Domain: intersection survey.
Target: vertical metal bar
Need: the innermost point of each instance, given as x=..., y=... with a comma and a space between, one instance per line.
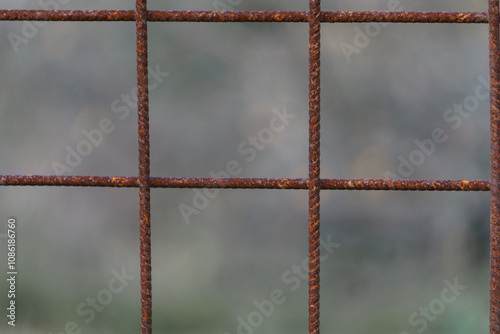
x=314, y=165
x=495, y=167
x=144, y=169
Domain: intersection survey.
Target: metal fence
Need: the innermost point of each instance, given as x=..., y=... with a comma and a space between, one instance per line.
x=314, y=184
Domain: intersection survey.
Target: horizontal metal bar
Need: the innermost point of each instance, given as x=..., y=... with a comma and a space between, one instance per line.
x=406, y=17
x=246, y=183
x=67, y=15
x=412, y=185
x=229, y=183
x=70, y=181
x=245, y=16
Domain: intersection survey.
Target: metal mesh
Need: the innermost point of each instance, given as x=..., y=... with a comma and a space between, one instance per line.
x=314, y=184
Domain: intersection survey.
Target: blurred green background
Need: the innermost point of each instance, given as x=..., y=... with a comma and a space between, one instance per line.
x=394, y=251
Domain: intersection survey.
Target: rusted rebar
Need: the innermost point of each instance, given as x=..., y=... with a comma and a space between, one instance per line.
x=314, y=182
x=245, y=16
x=245, y=183
x=144, y=164
x=494, y=38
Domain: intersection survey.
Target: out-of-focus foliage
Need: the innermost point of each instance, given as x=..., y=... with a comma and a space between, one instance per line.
x=383, y=97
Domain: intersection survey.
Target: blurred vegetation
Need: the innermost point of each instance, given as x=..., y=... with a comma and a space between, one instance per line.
x=224, y=80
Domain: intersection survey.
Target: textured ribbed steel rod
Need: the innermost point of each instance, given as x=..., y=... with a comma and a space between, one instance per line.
x=405, y=17
x=245, y=183
x=495, y=167
x=67, y=181
x=407, y=185
x=314, y=162
x=325, y=17
x=245, y=16
x=144, y=164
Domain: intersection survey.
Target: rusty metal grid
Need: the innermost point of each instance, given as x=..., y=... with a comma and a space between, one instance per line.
x=314, y=184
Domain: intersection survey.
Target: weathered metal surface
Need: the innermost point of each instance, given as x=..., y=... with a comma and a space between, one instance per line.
x=245, y=183
x=245, y=16
x=144, y=180
x=495, y=167
x=314, y=182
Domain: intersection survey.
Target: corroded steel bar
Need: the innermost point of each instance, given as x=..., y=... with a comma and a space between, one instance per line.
x=314, y=182
x=67, y=15
x=229, y=183
x=495, y=167
x=144, y=180
x=67, y=181
x=325, y=17
x=228, y=16
x=407, y=185
x=245, y=16
x=406, y=17
x=245, y=183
